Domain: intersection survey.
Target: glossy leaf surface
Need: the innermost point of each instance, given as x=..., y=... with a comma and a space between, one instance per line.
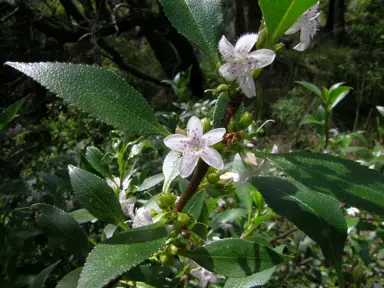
x=97, y=91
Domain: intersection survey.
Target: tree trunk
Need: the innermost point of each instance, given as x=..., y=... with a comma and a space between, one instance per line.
x=254, y=16
x=339, y=30
x=240, y=18
x=331, y=16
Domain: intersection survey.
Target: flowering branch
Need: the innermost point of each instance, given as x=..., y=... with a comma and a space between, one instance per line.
x=202, y=167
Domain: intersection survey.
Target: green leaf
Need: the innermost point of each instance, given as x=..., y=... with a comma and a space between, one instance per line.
x=151, y=182
x=195, y=204
x=310, y=119
x=40, y=279
x=245, y=192
x=82, y=216
x=61, y=227
x=120, y=253
x=316, y=214
x=95, y=157
x=219, y=110
x=198, y=21
x=280, y=15
x=254, y=280
x=234, y=257
x=342, y=179
x=96, y=196
x=70, y=280
x=381, y=110
x=338, y=94
x=201, y=228
x=170, y=168
x=311, y=87
x=97, y=91
x=10, y=113
x=230, y=215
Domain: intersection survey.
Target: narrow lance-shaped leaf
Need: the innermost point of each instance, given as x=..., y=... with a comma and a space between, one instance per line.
x=234, y=257
x=219, y=110
x=95, y=157
x=199, y=21
x=61, y=227
x=70, y=280
x=280, y=15
x=10, y=113
x=312, y=88
x=257, y=279
x=96, y=196
x=82, y=216
x=338, y=94
x=310, y=119
x=343, y=179
x=120, y=253
x=195, y=204
x=97, y=91
x=40, y=279
x=151, y=182
x=316, y=214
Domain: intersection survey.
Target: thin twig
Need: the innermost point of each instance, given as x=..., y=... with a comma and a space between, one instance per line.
x=283, y=235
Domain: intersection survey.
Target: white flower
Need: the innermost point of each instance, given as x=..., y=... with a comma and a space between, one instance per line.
x=352, y=211
x=241, y=62
x=195, y=146
x=307, y=23
x=204, y=276
x=127, y=205
x=143, y=216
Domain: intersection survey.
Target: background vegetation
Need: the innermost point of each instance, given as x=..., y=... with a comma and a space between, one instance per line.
x=135, y=39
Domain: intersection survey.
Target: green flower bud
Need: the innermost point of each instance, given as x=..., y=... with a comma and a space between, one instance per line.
x=222, y=88
x=167, y=201
x=263, y=34
x=165, y=258
x=183, y=218
x=153, y=212
x=232, y=126
x=256, y=73
x=213, y=178
x=173, y=249
x=279, y=47
x=206, y=124
x=245, y=120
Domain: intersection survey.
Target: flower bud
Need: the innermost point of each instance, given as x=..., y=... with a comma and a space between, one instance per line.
x=206, y=124
x=245, y=120
x=222, y=88
x=263, y=34
x=232, y=126
x=213, y=178
x=180, y=131
x=183, y=218
x=153, y=213
x=279, y=47
x=165, y=258
x=167, y=201
x=173, y=249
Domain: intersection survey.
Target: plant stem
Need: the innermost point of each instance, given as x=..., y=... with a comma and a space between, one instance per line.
x=283, y=235
x=326, y=127
x=202, y=167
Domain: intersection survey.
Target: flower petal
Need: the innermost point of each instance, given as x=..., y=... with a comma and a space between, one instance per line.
x=177, y=142
x=188, y=163
x=247, y=85
x=261, y=58
x=294, y=28
x=142, y=218
x=230, y=71
x=245, y=44
x=227, y=49
x=212, y=158
x=214, y=136
x=194, y=128
x=305, y=38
